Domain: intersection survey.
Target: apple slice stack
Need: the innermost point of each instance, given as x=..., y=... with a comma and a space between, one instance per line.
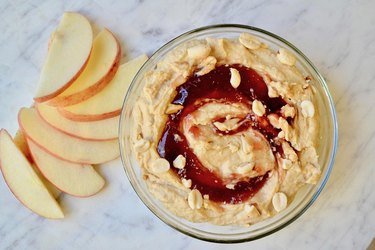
x=74, y=121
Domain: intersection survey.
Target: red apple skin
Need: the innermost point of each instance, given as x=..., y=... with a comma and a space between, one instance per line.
x=85, y=111
x=73, y=78
x=88, y=118
x=63, y=101
x=74, y=135
x=63, y=88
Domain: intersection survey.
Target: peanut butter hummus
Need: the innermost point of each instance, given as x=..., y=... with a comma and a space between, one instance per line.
x=225, y=131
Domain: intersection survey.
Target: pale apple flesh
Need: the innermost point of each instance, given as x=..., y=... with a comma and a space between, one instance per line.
x=108, y=102
x=24, y=182
x=99, y=71
x=67, y=56
x=51, y=187
x=75, y=179
x=62, y=145
x=106, y=129
x=20, y=141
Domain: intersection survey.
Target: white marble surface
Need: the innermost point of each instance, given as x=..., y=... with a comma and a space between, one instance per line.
x=338, y=36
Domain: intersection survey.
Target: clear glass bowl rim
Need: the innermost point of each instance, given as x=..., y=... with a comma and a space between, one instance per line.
x=321, y=81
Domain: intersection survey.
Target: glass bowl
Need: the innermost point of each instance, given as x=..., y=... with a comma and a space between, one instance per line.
x=326, y=147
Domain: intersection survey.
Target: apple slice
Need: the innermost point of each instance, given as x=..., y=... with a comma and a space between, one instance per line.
x=24, y=182
x=69, y=50
x=62, y=145
x=75, y=179
x=99, y=71
x=108, y=102
x=20, y=141
x=106, y=129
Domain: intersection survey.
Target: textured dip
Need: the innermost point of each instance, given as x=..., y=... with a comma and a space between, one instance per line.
x=225, y=131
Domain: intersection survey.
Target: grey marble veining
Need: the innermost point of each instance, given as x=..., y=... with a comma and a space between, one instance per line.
x=338, y=36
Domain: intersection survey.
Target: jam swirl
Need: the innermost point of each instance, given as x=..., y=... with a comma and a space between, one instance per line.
x=210, y=87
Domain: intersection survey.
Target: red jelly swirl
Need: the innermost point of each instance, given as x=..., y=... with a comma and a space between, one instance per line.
x=216, y=86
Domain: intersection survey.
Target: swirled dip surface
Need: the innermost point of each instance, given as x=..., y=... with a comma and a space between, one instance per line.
x=225, y=131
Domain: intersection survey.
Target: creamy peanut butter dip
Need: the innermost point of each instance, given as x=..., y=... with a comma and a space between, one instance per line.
x=225, y=131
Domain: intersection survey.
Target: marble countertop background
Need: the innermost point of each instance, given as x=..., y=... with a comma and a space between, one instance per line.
x=338, y=36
